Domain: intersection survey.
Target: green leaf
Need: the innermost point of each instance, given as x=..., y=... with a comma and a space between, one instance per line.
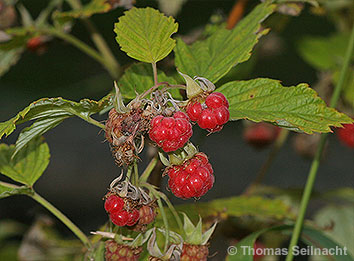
x=311, y=2
x=340, y=221
x=93, y=7
x=8, y=59
x=28, y=165
x=324, y=53
x=297, y=108
x=139, y=78
x=47, y=114
x=214, y=57
x=313, y=237
x=145, y=34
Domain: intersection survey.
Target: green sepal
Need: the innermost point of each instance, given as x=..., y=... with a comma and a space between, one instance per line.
x=118, y=102
x=194, y=234
x=193, y=88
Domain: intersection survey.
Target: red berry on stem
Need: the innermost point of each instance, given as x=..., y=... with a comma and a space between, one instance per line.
x=119, y=218
x=346, y=135
x=133, y=217
x=113, y=204
x=191, y=179
x=171, y=133
x=213, y=114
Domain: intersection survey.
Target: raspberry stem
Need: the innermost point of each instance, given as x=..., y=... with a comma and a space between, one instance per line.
x=144, y=177
x=316, y=161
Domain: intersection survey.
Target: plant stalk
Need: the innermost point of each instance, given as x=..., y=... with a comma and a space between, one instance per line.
x=99, y=42
x=316, y=161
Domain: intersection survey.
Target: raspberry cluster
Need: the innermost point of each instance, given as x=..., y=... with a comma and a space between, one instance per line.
x=122, y=215
x=191, y=179
x=212, y=114
x=171, y=133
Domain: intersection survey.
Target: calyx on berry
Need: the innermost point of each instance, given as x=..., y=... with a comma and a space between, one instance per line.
x=195, y=241
x=174, y=251
x=194, y=88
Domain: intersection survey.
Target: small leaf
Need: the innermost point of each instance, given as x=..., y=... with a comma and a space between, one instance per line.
x=145, y=34
x=297, y=108
x=28, y=165
x=139, y=78
x=8, y=59
x=192, y=87
x=214, y=57
x=93, y=7
x=47, y=114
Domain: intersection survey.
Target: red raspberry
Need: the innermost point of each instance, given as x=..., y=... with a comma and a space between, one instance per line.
x=260, y=134
x=119, y=218
x=171, y=133
x=191, y=179
x=146, y=215
x=113, y=204
x=212, y=114
x=346, y=135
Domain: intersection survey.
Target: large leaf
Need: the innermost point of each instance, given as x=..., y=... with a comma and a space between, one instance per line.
x=214, y=57
x=324, y=53
x=297, y=108
x=48, y=113
x=93, y=7
x=139, y=78
x=28, y=165
x=8, y=59
x=145, y=34
x=313, y=237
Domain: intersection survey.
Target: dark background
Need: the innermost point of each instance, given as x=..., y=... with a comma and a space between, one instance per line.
x=81, y=166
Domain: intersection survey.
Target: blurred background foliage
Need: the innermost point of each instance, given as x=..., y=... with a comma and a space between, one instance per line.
x=307, y=47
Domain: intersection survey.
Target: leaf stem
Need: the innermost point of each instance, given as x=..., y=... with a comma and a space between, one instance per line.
x=136, y=173
x=165, y=221
x=93, y=122
x=315, y=163
x=154, y=69
x=56, y=212
x=144, y=177
x=173, y=210
x=80, y=45
x=99, y=42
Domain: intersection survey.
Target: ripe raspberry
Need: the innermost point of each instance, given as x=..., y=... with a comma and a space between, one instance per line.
x=119, y=218
x=260, y=134
x=194, y=252
x=346, y=135
x=113, y=204
x=191, y=179
x=212, y=114
x=117, y=252
x=133, y=217
x=171, y=133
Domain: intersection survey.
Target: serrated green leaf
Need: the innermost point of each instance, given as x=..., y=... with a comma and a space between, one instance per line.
x=93, y=7
x=297, y=108
x=214, y=57
x=47, y=114
x=313, y=237
x=324, y=53
x=139, y=78
x=145, y=34
x=8, y=59
x=28, y=165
